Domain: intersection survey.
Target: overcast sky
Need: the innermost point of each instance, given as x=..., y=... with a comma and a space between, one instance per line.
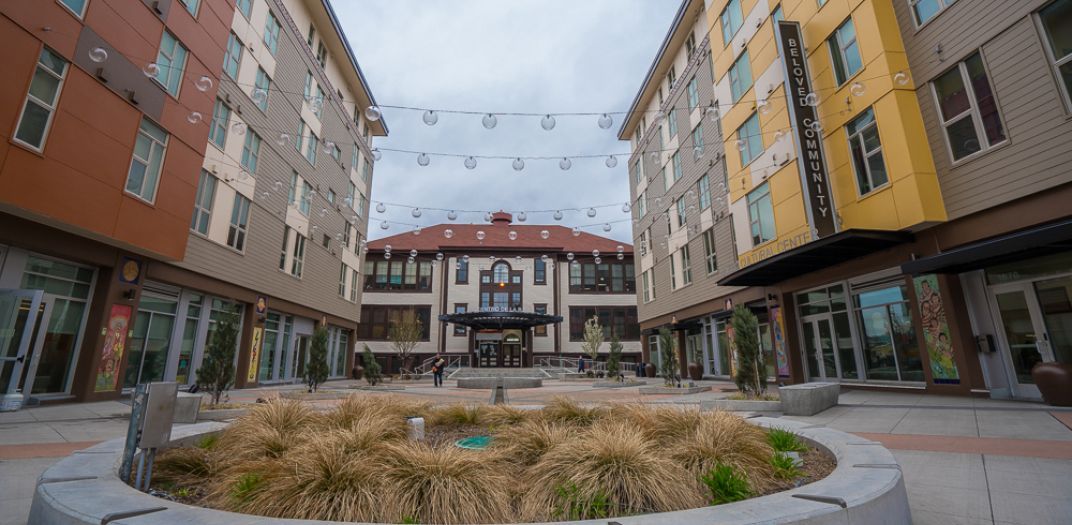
x=503, y=56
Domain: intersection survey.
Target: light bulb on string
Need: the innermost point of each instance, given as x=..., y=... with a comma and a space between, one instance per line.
x=480, y=235
x=470, y=162
x=283, y=139
x=611, y=161
x=606, y=227
x=413, y=253
x=384, y=225
x=518, y=164
x=452, y=215
x=576, y=231
x=381, y=207
x=387, y=255
x=547, y=122
x=740, y=144
x=338, y=236
x=151, y=70
x=98, y=54
x=194, y=117
x=712, y=113
x=416, y=230
x=259, y=95
x=778, y=135
x=764, y=106
x=621, y=256
x=329, y=147
x=901, y=78
x=565, y=164
x=697, y=153
x=448, y=233
x=605, y=121
x=812, y=99
x=373, y=113
x=544, y=234
x=465, y=258
x=243, y=175
x=416, y=212
x=430, y=117
x=595, y=253
x=522, y=216
x=620, y=249
x=265, y=195
x=376, y=154
x=816, y=125
x=655, y=157
x=569, y=256
x=238, y=128
x=487, y=216
x=410, y=260
x=439, y=256
x=591, y=212
x=203, y=84
x=512, y=235
x=857, y=89
x=597, y=260
x=558, y=215
x=423, y=159
x=278, y=185
x=489, y=121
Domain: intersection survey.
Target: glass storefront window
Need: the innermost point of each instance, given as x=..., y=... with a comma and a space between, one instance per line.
x=148, y=348
x=723, y=345
x=189, y=338
x=268, y=348
x=891, y=348
x=67, y=287
x=1055, y=299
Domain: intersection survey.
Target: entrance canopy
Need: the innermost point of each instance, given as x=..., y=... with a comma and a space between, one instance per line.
x=500, y=320
x=1016, y=246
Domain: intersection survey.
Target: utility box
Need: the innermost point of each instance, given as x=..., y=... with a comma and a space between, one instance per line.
x=159, y=414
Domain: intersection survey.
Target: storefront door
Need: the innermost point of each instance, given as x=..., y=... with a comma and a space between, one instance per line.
x=18, y=332
x=489, y=354
x=1036, y=326
x=820, y=347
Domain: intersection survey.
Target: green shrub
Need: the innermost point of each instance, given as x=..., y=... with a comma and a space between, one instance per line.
x=726, y=485
x=208, y=442
x=784, y=466
x=575, y=506
x=372, y=368
x=782, y=440
x=316, y=370
x=246, y=485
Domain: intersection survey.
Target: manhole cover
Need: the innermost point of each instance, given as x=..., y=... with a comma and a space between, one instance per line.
x=473, y=443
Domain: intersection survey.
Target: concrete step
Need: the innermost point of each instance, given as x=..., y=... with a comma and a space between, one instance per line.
x=534, y=373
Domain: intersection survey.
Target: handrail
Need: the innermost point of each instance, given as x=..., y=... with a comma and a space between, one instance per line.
x=573, y=362
x=425, y=367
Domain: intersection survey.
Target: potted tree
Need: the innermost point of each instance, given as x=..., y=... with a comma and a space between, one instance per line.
x=316, y=372
x=372, y=368
x=593, y=339
x=751, y=379
x=614, y=358
x=404, y=336
x=216, y=374
x=668, y=349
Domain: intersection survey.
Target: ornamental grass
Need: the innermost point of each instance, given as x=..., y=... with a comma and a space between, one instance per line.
x=356, y=462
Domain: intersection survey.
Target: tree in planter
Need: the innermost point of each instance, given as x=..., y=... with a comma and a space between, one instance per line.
x=614, y=357
x=316, y=372
x=750, y=378
x=372, y=368
x=668, y=350
x=217, y=373
x=593, y=338
x=404, y=336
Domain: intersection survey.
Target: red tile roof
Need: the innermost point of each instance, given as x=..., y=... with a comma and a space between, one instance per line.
x=496, y=238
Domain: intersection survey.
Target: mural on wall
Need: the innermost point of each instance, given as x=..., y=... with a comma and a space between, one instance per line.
x=254, y=354
x=936, y=330
x=778, y=335
x=115, y=340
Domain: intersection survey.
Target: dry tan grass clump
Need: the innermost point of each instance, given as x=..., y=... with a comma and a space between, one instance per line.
x=457, y=415
x=660, y=424
x=269, y=430
x=187, y=466
x=357, y=406
x=445, y=485
x=506, y=415
x=723, y=438
x=565, y=410
x=526, y=443
x=613, y=462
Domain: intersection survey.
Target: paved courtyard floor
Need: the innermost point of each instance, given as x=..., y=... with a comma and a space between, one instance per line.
x=965, y=460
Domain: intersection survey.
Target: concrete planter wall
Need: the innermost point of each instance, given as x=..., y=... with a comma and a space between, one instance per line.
x=743, y=405
x=673, y=391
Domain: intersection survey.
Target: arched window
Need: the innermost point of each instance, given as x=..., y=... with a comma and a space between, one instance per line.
x=500, y=273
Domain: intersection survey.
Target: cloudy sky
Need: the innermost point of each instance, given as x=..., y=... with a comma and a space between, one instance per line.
x=503, y=56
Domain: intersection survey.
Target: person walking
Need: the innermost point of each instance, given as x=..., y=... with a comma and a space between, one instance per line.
x=580, y=365
x=437, y=370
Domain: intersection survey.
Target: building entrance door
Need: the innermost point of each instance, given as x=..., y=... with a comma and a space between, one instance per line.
x=489, y=354
x=511, y=349
x=820, y=347
x=1036, y=326
x=20, y=320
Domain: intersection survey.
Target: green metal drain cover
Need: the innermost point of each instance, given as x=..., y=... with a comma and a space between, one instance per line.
x=474, y=442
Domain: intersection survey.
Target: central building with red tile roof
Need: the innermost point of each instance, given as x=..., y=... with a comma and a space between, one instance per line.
x=498, y=294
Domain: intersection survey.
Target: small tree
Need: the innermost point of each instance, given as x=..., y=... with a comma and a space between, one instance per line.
x=217, y=373
x=316, y=372
x=372, y=368
x=593, y=337
x=614, y=357
x=668, y=349
x=404, y=336
x=750, y=378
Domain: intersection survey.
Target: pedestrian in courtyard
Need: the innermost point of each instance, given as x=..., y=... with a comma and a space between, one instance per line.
x=437, y=370
x=580, y=365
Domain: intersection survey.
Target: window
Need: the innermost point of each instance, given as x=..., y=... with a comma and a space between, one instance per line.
x=686, y=266
x=78, y=7
x=618, y=321
x=236, y=234
x=697, y=141
x=221, y=118
x=967, y=109
x=822, y=3
x=924, y=10
x=681, y=212
x=671, y=124
x=749, y=140
x=293, y=193
x=191, y=6
x=605, y=277
x=331, y=196
x=308, y=90
x=539, y=272
x=284, y=249
x=299, y=139
x=233, y=56
x=298, y=259
x=321, y=53
x=694, y=93
x=171, y=59
x=671, y=78
x=646, y=282
x=336, y=153
x=845, y=52
x=366, y=168
x=312, y=36
x=355, y=158
x=1056, y=21
x=262, y=85
x=667, y=181
x=461, y=272
x=540, y=331
x=310, y=148
x=866, y=151
x=761, y=214
x=271, y=32
x=147, y=161
x=731, y=19
x=676, y=159
x=673, y=273
x=306, y=198
x=318, y=102
x=206, y=194
x=460, y=308
x=346, y=235
x=360, y=209
x=703, y=189
x=891, y=348
x=500, y=273
x=376, y=320
x=642, y=205
x=643, y=243
x=351, y=195
x=245, y=7
x=777, y=15
x=343, y=274
x=41, y=99
x=690, y=44
x=251, y=150
x=740, y=76
x=353, y=285
x=710, y=258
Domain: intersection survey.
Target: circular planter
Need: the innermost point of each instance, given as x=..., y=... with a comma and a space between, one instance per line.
x=865, y=487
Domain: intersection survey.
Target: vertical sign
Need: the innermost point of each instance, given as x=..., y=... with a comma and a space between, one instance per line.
x=778, y=337
x=936, y=330
x=115, y=340
x=814, y=178
x=254, y=354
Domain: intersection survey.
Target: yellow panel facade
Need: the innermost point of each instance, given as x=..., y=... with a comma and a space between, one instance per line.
x=909, y=198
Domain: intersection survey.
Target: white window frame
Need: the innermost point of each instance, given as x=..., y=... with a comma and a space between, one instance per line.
x=693, y=90
x=233, y=53
x=51, y=107
x=154, y=146
x=972, y=112
x=686, y=266
x=262, y=82
x=271, y=33
x=203, y=203
x=354, y=282
x=858, y=137
x=728, y=22
x=697, y=141
x=299, y=139
x=310, y=148
x=307, y=190
x=645, y=284
x=1055, y=62
x=675, y=163
x=220, y=112
x=744, y=133
x=738, y=85
x=643, y=243
x=671, y=124
x=251, y=150
x=682, y=212
x=71, y=9
x=756, y=218
x=238, y=228
x=248, y=11
x=841, y=47
x=297, y=259
x=942, y=6
x=170, y=76
x=710, y=251
x=192, y=6
x=703, y=187
x=673, y=273
x=642, y=205
x=343, y=275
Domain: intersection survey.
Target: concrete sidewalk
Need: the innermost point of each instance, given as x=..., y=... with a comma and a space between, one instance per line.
x=965, y=460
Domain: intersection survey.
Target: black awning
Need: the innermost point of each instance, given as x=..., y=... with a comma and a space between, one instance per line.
x=815, y=255
x=1025, y=244
x=500, y=320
